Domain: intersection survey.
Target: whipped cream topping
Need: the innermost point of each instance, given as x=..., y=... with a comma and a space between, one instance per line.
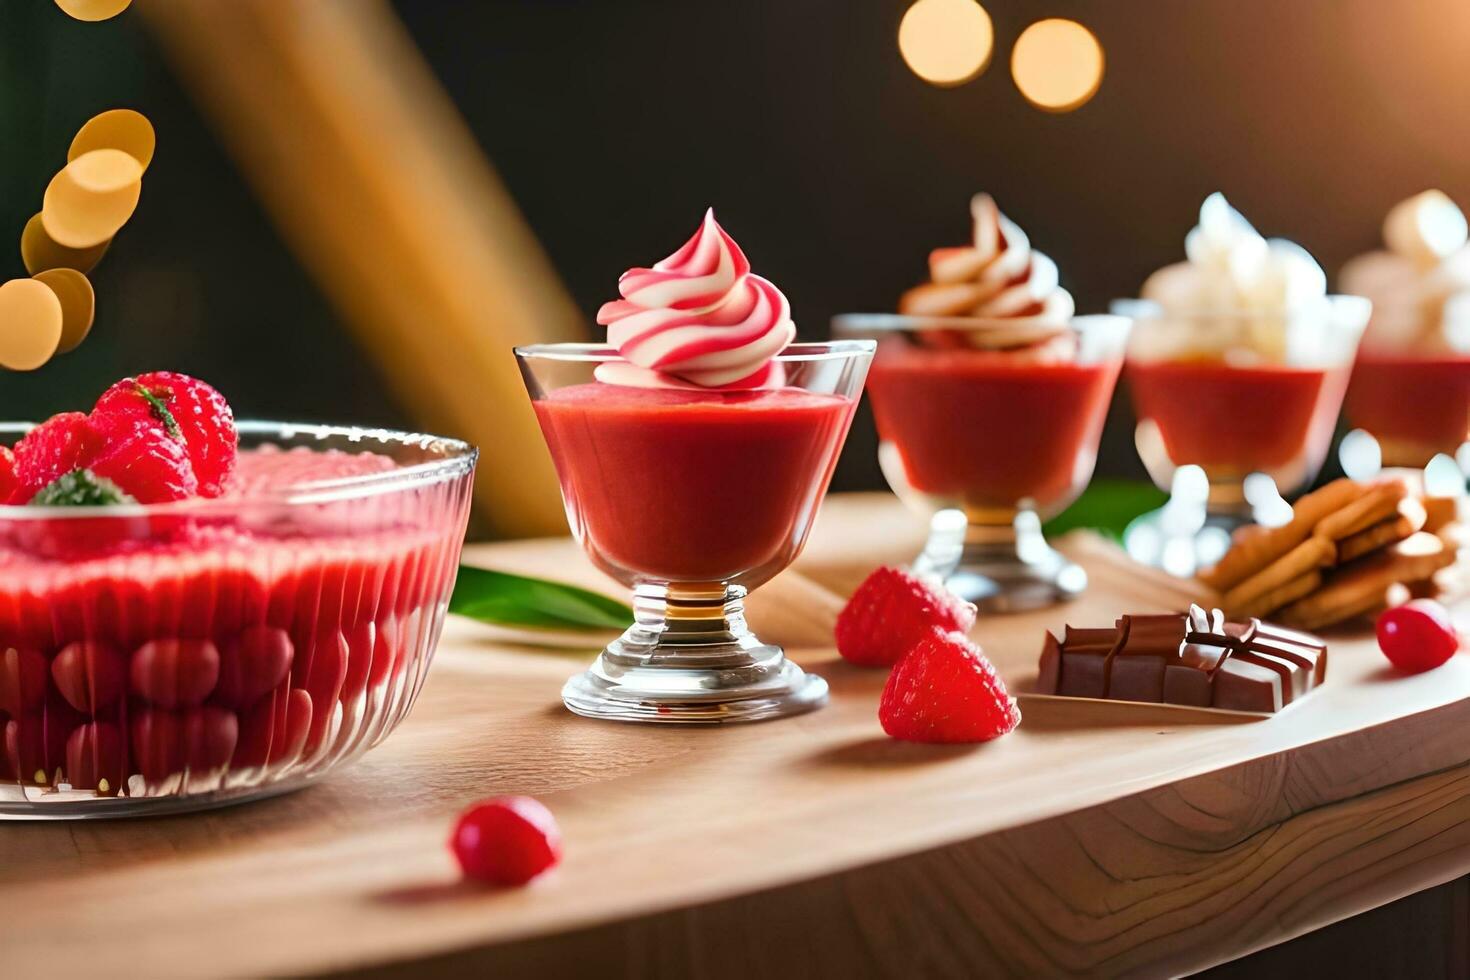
x=697, y=319
x=1231, y=268
x=1242, y=296
x=1420, y=284
x=999, y=275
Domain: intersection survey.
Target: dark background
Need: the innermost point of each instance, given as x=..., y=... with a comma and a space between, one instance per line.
x=615, y=123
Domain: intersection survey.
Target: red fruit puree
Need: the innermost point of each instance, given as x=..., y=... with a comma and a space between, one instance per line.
x=228, y=648
x=1238, y=419
x=991, y=428
x=1417, y=406
x=693, y=486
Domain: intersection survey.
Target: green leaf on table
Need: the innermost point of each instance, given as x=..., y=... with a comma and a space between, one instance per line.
x=518, y=600
x=1108, y=506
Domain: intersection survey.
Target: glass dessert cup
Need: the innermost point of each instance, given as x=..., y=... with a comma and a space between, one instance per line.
x=171, y=657
x=692, y=498
x=1416, y=406
x=1235, y=412
x=990, y=442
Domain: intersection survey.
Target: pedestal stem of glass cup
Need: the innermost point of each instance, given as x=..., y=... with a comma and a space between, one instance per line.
x=693, y=624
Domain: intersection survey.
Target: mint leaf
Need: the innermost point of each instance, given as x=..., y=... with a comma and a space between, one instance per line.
x=80, y=488
x=517, y=600
x=161, y=412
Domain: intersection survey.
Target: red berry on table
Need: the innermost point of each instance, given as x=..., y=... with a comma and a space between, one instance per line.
x=891, y=611
x=506, y=841
x=9, y=481
x=51, y=450
x=945, y=690
x=186, y=409
x=1417, y=636
x=144, y=462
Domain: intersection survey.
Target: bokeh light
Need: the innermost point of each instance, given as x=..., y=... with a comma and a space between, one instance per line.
x=946, y=42
x=93, y=10
x=1057, y=64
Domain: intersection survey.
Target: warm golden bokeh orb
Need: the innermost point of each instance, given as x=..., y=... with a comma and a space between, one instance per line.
x=946, y=42
x=40, y=253
x=1057, y=64
x=78, y=305
x=93, y=10
x=91, y=198
x=30, y=324
x=116, y=129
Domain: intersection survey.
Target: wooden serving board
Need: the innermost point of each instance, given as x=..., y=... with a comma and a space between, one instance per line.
x=1141, y=841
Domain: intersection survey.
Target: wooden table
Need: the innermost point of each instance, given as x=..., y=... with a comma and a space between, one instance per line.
x=1135, y=841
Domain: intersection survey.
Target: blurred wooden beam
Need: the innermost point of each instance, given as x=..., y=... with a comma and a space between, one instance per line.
x=377, y=185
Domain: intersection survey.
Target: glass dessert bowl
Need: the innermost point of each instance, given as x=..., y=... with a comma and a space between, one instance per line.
x=1410, y=387
x=990, y=398
x=692, y=498
x=177, y=656
x=1237, y=366
x=990, y=442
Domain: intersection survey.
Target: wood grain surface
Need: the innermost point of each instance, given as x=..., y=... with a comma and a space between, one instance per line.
x=1112, y=840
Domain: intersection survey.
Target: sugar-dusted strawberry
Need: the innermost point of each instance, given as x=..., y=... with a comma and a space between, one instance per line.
x=891, y=611
x=51, y=450
x=188, y=410
x=944, y=690
x=9, y=481
x=145, y=462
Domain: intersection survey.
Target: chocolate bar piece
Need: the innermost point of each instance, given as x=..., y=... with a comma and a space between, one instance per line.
x=1194, y=658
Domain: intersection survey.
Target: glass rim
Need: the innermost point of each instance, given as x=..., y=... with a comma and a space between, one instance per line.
x=457, y=459
x=903, y=322
x=1147, y=310
x=827, y=350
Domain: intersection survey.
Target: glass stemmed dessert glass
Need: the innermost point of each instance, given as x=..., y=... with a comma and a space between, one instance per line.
x=990, y=398
x=692, y=498
x=1237, y=366
x=1410, y=387
x=693, y=450
x=991, y=442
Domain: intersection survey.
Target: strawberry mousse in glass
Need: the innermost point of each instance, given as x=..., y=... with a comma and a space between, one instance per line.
x=693, y=450
x=1410, y=386
x=990, y=397
x=194, y=613
x=1237, y=366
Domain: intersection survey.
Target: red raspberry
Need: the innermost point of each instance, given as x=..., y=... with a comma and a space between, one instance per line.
x=891, y=611
x=9, y=481
x=188, y=410
x=944, y=690
x=51, y=450
x=506, y=841
x=1417, y=636
x=143, y=461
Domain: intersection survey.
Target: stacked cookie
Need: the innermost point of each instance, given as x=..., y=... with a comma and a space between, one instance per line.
x=1343, y=554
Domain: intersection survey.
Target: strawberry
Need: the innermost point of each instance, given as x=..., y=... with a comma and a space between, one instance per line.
x=944, y=690
x=891, y=611
x=143, y=461
x=9, y=481
x=187, y=410
x=51, y=450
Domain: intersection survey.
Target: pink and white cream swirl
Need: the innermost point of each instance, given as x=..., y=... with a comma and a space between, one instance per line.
x=699, y=318
x=999, y=275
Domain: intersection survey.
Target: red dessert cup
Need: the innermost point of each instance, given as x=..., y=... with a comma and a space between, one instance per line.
x=691, y=498
x=1236, y=400
x=169, y=657
x=1416, y=406
x=991, y=442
